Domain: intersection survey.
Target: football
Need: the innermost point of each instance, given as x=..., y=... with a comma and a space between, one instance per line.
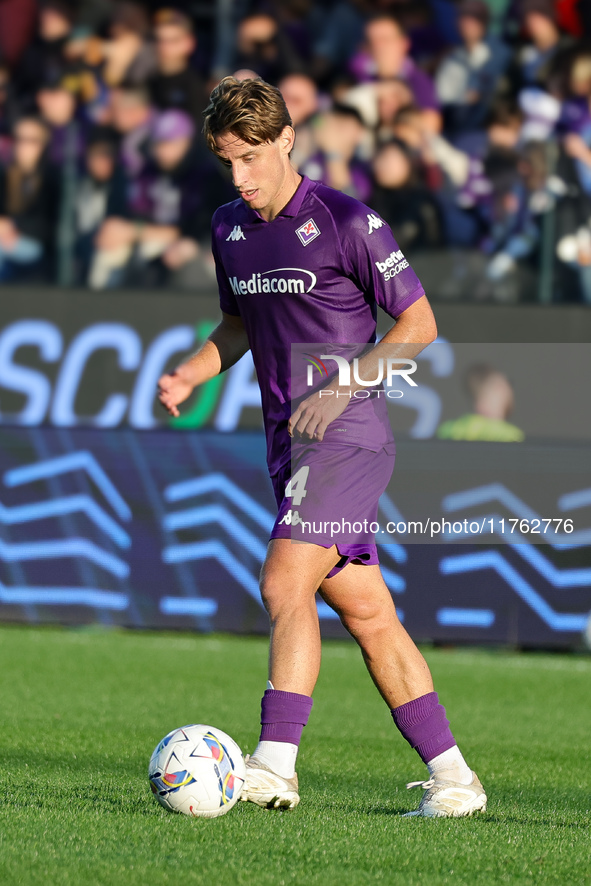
x=197, y=770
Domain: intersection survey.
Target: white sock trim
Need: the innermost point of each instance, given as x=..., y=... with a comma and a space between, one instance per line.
x=280, y=756
x=451, y=761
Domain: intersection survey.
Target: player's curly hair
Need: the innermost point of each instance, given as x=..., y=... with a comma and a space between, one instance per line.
x=251, y=109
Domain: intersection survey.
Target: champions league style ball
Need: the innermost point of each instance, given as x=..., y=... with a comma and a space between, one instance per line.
x=197, y=770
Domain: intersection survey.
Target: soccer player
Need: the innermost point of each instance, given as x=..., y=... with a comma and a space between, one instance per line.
x=285, y=229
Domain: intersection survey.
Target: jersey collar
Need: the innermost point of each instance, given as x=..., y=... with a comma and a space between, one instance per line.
x=291, y=209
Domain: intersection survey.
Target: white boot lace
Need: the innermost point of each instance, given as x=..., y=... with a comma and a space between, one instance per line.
x=421, y=784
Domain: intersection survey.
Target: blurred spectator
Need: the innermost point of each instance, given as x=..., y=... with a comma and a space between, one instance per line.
x=132, y=116
x=515, y=223
x=8, y=112
x=57, y=106
x=261, y=47
x=409, y=127
x=379, y=103
x=504, y=125
x=171, y=213
x=101, y=193
x=430, y=27
x=540, y=27
x=577, y=119
x=338, y=36
x=493, y=402
x=574, y=249
x=385, y=54
x=28, y=200
x=573, y=217
x=45, y=60
x=126, y=55
x=357, y=79
x=392, y=96
x=468, y=77
x=541, y=112
x=471, y=182
x=387, y=75
x=445, y=171
x=576, y=107
x=298, y=22
x=302, y=100
x=338, y=135
x=430, y=24
x=403, y=201
x=176, y=84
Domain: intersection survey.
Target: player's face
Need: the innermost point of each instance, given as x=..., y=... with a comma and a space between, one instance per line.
x=262, y=174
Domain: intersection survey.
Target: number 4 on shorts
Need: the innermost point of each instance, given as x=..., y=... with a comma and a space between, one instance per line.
x=296, y=488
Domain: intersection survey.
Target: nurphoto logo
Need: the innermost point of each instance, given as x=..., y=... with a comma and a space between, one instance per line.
x=388, y=369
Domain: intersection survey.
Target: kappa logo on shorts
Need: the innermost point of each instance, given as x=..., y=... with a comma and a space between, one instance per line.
x=291, y=518
x=308, y=232
x=236, y=234
x=374, y=222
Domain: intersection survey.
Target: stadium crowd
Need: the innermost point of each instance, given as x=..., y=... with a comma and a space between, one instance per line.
x=466, y=124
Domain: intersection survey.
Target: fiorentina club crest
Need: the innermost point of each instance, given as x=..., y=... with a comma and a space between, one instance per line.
x=308, y=232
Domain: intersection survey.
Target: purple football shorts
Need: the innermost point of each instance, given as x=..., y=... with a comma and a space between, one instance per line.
x=328, y=495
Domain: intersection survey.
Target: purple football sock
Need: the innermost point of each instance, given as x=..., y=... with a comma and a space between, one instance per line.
x=284, y=715
x=424, y=725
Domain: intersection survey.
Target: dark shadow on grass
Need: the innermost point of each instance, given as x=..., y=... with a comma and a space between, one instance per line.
x=383, y=810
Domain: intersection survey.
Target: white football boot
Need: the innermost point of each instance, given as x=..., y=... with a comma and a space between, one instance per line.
x=447, y=798
x=265, y=788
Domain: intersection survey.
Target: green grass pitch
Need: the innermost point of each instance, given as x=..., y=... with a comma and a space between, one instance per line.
x=82, y=710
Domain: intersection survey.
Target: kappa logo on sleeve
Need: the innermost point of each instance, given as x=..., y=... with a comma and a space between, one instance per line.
x=236, y=234
x=308, y=232
x=374, y=222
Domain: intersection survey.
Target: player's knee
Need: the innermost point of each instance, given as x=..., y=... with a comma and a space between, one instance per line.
x=279, y=597
x=271, y=595
x=363, y=617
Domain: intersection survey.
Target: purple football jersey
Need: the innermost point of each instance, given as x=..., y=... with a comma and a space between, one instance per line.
x=316, y=273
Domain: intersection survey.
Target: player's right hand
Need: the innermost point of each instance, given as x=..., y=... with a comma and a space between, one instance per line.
x=172, y=390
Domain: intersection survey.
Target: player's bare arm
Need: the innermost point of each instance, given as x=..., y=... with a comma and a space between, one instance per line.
x=414, y=329
x=224, y=347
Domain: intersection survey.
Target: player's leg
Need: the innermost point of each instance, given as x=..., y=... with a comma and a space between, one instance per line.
x=363, y=602
x=290, y=577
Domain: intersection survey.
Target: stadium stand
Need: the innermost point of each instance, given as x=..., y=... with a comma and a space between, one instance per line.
x=465, y=123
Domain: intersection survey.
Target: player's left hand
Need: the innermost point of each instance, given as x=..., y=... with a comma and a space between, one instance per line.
x=315, y=413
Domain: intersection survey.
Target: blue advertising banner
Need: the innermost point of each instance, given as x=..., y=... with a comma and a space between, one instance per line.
x=167, y=529
x=84, y=359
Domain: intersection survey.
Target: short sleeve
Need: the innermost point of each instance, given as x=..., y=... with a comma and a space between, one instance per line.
x=378, y=265
x=228, y=302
